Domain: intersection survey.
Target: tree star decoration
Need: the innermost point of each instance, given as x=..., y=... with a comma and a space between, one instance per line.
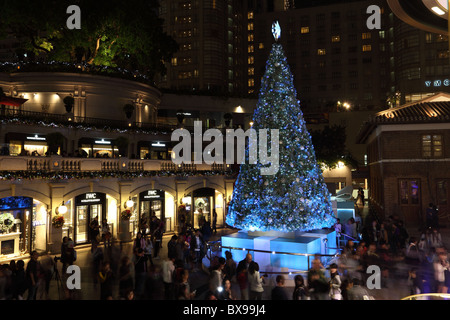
x=276, y=30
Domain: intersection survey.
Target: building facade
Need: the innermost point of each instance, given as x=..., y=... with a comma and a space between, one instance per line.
x=409, y=159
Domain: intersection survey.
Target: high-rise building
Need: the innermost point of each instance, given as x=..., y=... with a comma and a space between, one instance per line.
x=337, y=59
x=206, y=31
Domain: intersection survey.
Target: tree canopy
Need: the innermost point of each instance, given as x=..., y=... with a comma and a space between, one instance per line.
x=330, y=146
x=126, y=34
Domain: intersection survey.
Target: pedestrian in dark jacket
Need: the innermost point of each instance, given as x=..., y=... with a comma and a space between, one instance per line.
x=279, y=292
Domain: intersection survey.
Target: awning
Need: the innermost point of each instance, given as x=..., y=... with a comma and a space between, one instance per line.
x=10, y=101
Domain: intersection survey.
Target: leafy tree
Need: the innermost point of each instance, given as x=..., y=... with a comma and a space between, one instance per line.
x=126, y=34
x=329, y=145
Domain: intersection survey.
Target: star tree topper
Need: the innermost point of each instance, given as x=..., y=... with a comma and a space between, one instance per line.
x=276, y=30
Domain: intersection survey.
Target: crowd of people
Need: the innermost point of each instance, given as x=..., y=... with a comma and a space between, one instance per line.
x=140, y=272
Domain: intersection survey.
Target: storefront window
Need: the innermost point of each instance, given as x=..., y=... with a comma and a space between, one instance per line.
x=144, y=153
x=202, y=209
x=134, y=219
x=15, y=148
x=99, y=148
x=34, y=148
x=152, y=204
x=88, y=206
x=22, y=225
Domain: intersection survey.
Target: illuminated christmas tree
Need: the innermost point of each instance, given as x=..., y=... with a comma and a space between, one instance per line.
x=296, y=197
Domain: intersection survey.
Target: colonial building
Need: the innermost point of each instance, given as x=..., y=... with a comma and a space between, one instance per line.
x=409, y=159
x=92, y=159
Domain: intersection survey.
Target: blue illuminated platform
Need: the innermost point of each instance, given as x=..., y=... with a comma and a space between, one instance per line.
x=279, y=250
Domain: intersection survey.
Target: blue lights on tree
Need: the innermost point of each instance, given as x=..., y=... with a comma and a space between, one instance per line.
x=296, y=197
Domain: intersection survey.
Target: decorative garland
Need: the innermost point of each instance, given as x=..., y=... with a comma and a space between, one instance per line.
x=79, y=126
x=78, y=175
x=6, y=222
x=55, y=66
x=58, y=221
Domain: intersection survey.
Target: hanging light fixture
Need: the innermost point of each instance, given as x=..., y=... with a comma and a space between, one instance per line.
x=62, y=209
x=129, y=203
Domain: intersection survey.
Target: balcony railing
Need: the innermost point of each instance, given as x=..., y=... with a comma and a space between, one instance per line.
x=39, y=117
x=58, y=163
x=35, y=117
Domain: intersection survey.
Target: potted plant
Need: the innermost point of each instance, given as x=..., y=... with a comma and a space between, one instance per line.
x=227, y=117
x=55, y=140
x=122, y=144
x=126, y=215
x=69, y=101
x=128, y=109
x=58, y=221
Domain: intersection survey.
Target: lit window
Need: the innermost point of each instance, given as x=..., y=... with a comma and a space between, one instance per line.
x=251, y=37
x=261, y=45
x=335, y=38
x=321, y=52
x=251, y=60
x=366, y=35
x=251, y=48
x=304, y=30
x=432, y=146
x=250, y=15
x=251, y=82
x=174, y=61
x=250, y=26
x=251, y=71
x=366, y=48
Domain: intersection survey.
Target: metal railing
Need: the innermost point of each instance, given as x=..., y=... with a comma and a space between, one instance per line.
x=217, y=245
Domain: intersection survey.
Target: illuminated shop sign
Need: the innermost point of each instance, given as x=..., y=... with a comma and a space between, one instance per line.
x=151, y=195
x=438, y=83
x=158, y=144
x=103, y=141
x=90, y=198
x=36, y=137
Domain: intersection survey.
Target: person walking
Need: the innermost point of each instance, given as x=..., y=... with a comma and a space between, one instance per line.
x=335, y=283
x=214, y=221
x=300, y=289
x=227, y=293
x=242, y=274
x=140, y=272
x=216, y=277
x=230, y=266
x=279, y=292
x=125, y=277
x=255, y=281
x=429, y=215
x=94, y=230
x=106, y=233
x=157, y=236
x=106, y=279
x=33, y=272
x=168, y=268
